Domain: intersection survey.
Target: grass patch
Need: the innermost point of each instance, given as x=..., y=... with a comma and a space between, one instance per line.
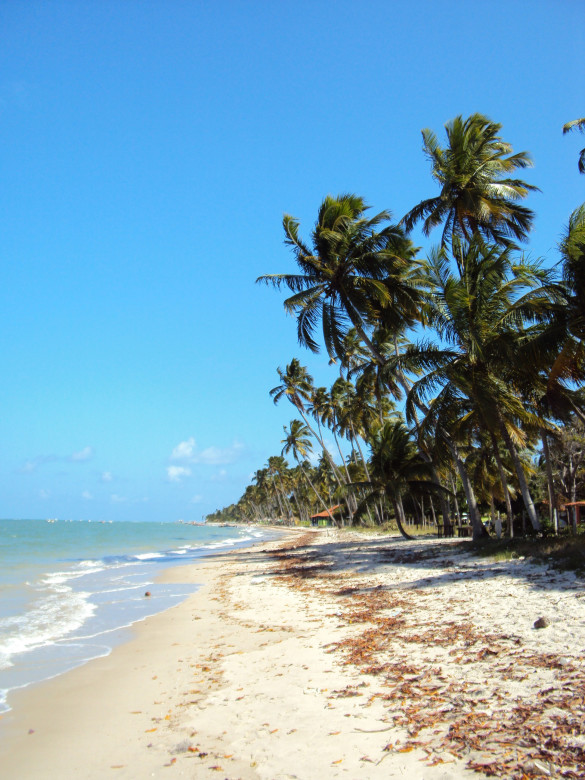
x=390, y=529
x=566, y=553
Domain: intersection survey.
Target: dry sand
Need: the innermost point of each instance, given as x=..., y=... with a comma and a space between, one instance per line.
x=326, y=655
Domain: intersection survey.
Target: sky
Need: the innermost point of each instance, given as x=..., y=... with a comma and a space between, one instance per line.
x=148, y=151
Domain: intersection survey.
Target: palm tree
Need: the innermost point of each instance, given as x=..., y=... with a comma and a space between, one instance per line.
x=355, y=273
x=297, y=386
x=578, y=124
x=266, y=492
x=480, y=316
x=398, y=470
x=297, y=442
x=476, y=195
x=277, y=467
x=559, y=348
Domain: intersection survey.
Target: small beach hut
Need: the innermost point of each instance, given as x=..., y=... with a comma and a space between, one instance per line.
x=324, y=518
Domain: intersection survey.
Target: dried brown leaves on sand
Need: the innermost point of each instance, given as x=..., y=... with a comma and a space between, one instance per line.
x=452, y=688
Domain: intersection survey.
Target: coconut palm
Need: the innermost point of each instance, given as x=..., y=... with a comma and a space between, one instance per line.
x=266, y=492
x=298, y=443
x=397, y=470
x=572, y=248
x=479, y=314
x=277, y=467
x=325, y=409
x=559, y=348
x=355, y=273
x=297, y=386
x=577, y=124
x=476, y=195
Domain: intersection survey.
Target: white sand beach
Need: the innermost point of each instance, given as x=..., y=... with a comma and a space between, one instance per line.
x=327, y=655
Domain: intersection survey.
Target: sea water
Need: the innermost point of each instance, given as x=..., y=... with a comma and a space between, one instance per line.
x=70, y=590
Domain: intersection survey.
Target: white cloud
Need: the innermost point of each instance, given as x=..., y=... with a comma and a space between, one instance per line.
x=85, y=454
x=314, y=457
x=210, y=456
x=176, y=473
x=219, y=476
x=32, y=465
x=197, y=499
x=184, y=450
x=87, y=495
x=117, y=499
x=107, y=476
x=216, y=456
x=44, y=493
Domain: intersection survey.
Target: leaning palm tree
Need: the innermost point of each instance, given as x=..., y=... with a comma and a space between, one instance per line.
x=476, y=193
x=298, y=443
x=297, y=385
x=277, y=467
x=577, y=124
x=355, y=273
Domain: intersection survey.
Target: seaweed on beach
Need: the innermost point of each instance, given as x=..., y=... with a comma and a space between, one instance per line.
x=536, y=732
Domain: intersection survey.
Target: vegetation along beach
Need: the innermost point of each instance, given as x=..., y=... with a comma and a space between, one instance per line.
x=292, y=419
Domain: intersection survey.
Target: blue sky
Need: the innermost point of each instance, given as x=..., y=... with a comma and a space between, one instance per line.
x=148, y=152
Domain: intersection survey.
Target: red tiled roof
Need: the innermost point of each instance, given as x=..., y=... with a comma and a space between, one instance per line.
x=328, y=513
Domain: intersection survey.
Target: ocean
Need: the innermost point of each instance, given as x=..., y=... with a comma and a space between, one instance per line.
x=69, y=591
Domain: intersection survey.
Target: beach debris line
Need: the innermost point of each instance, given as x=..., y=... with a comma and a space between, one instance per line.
x=466, y=693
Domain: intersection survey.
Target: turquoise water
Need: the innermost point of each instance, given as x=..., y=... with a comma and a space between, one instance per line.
x=69, y=590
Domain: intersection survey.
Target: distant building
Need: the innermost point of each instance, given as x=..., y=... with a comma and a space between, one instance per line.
x=324, y=518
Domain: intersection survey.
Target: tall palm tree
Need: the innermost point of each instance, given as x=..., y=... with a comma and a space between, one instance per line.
x=355, y=273
x=277, y=467
x=559, y=349
x=297, y=442
x=478, y=314
x=476, y=195
x=577, y=124
x=297, y=385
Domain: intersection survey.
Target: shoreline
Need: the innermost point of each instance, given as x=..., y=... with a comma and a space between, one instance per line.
x=387, y=659
x=82, y=607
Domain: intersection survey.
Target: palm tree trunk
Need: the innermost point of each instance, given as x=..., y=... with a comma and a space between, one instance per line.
x=378, y=357
x=399, y=512
x=528, y=503
x=433, y=510
x=351, y=502
x=276, y=490
x=322, y=445
x=492, y=509
x=504, y=483
x=365, y=465
x=284, y=496
x=457, y=512
x=476, y=524
x=552, y=499
x=442, y=497
x=306, y=476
